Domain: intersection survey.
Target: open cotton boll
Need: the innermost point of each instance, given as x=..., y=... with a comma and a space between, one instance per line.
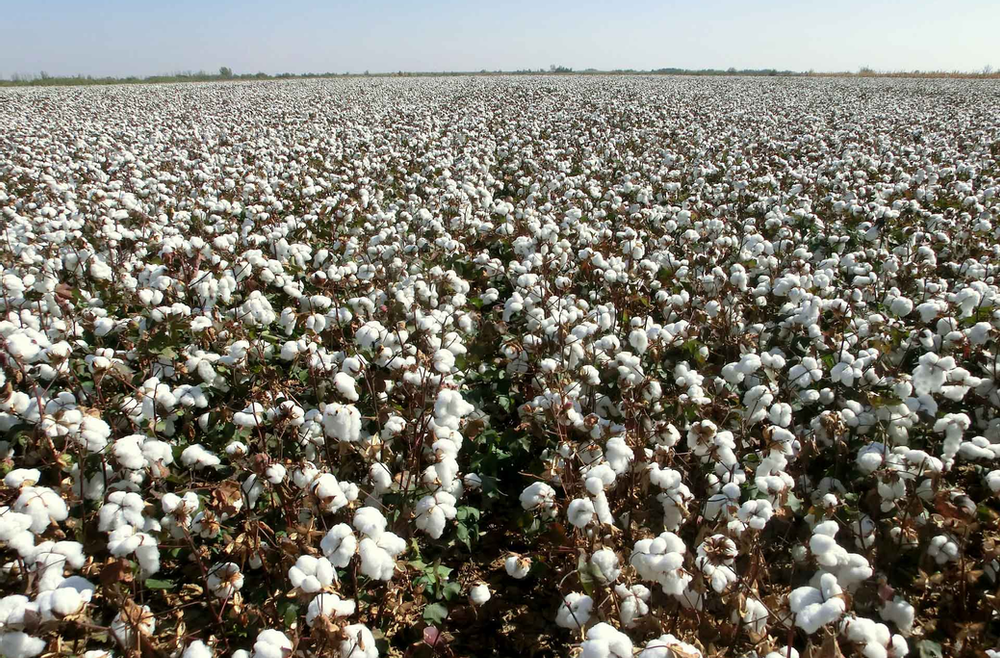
x=311, y=574
x=816, y=607
x=22, y=476
x=539, y=496
x=517, y=567
x=633, y=604
x=252, y=416
x=342, y=422
x=668, y=646
x=198, y=649
x=329, y=493
x=225, y=580
x=580, y=512
x=479, y=594
x=433, y=512
x=574, y=611
x=43, y=505
x=358, y=643
x=346, y=386
x=329, y=606
x=339, y=545
x=17, y=644
x=130, y=621
x=604, y=565
x=272, y=644
x=605, y=641
x=661, y=560
x=196, y=456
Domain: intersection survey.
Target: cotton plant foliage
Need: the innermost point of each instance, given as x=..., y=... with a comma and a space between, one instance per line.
x=597, y=366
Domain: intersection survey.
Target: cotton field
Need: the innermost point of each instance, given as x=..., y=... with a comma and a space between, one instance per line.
x=554, y=366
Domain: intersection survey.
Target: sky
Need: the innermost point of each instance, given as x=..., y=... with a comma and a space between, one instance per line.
x=139, y=37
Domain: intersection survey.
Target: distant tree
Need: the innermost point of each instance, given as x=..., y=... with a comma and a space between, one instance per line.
x=225, y=72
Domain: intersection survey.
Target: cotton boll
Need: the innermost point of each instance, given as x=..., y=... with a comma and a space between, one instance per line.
x=574, y=611
x=329, y=493
x=197, y=649
x=580, y=512
x=517, y=567
x=605, y=641
x=434, y=511
x=272, y=644
x=339, y=545
x=817, y=607
x=668, y=646
x=329, y=606
x=604, y=565
x=346, y=386
x=311, y=574
x=125, y=626
x=539, y=496
x=43, y=505
x=17, y=644
x=899, y=612
x=634, y=603
x=359, y=643
x=342, y=422
x=225, y=580
x=479, y=594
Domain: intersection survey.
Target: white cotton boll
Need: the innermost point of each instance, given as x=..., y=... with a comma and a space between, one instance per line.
x=433, y=512
x=472, y=481
x=276, y=473
x=342, y=422
x=17, y=644
x=272, y=644
x=43, y=505
x=661, y=560
x=539, y=496
x=225, y=580
x=633, y=604
x=329, y=493
x=346, y=386
x=580, y=512
x=517, y=566
x=196, y=456
x=237, y=449
x=753, y=615
x=574, y=611
x=479, y=594
x=251, y=416
x=197, y=649
x=359, y=642
x=375, y=562
x=993, y=480
x=22, y=476
x=329, y=606
x=590, y=375
x=124, y=628
x=370, y=522
x=311, y=574
x=605, y=641
x=899, y=612
x=815, y=608
x=901, y=307
x=668, y=646
x=604, y=565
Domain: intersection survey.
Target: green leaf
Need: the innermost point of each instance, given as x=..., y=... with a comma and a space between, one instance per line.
x=586, y=577
x=153, y=583
x=435, y=613
x=928, y=649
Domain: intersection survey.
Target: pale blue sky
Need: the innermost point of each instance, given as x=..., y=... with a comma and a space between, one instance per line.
x=136, y=37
